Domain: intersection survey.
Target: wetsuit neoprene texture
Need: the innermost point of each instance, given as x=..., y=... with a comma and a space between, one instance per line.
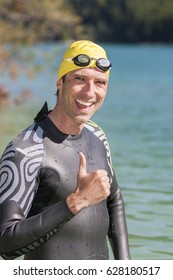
x=38, y=170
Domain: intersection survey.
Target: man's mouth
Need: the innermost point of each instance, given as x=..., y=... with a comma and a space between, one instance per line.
x=84, y=104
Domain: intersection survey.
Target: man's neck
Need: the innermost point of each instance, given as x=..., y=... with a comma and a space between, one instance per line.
x=66, y=127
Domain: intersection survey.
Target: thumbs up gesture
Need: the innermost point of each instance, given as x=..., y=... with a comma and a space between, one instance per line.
x=91, y=189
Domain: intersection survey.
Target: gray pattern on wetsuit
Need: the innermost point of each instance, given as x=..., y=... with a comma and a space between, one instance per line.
x=21, y=175
x=97, y=131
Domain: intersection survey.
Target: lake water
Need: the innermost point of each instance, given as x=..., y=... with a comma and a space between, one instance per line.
x=137, y=117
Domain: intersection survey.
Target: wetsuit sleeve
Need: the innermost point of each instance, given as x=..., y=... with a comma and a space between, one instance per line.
x=19, y=235
x=19, y=181
x=118, y=235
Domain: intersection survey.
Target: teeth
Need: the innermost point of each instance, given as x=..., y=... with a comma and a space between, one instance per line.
x=84, y=103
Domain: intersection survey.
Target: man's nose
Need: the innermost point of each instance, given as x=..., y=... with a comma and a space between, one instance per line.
x=89, y=89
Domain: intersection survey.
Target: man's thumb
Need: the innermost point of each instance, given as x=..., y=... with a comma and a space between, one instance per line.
x=82, y=165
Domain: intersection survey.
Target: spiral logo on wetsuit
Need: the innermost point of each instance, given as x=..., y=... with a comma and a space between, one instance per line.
x=18, y=173
x=8, y=171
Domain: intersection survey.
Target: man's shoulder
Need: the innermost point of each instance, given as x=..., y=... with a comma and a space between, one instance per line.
x=28, y=144
x=32, y=136
x=95, y=129
x=101, y=138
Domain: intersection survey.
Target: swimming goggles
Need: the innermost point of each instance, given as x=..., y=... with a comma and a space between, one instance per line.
x=84, y=60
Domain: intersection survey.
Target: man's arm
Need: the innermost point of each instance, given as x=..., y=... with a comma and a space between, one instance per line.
x=118, y=234
x=18, y=184
x=18, y=234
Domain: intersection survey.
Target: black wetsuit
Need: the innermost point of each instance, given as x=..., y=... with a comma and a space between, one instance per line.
x=38, y=170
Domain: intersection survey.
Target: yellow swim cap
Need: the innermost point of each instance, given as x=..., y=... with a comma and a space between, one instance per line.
x=80, y=47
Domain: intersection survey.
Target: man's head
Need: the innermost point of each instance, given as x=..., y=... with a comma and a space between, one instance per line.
x=84, y=54
x=82, y=85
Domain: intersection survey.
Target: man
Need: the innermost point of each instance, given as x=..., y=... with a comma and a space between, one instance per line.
x=59, y=198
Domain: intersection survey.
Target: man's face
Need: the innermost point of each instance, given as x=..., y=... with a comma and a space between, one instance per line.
x=82, y=94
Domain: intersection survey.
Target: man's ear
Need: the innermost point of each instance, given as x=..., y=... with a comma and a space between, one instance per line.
x=59, y=86
x=59, y=83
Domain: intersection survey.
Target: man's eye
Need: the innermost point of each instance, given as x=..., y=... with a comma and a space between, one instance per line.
x=101, y=82
x=79, y=78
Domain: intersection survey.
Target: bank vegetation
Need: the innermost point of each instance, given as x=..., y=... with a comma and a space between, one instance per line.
x=117, y=21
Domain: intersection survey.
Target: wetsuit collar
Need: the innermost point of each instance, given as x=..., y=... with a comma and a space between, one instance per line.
x=54, y=133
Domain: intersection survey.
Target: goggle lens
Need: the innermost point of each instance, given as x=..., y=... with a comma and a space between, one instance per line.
x=103, y=63
x=81, y=60
x=84, y=60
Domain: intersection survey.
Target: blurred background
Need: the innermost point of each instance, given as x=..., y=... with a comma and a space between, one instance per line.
x=137, y=114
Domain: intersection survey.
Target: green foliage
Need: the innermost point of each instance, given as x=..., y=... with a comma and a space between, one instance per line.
x=154, y=19
x=127, y=20
x=151, y=10
x=30, y=21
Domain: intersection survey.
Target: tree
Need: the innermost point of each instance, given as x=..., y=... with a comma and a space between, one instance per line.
x=29, y=21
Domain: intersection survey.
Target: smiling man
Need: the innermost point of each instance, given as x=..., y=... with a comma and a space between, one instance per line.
x=59, y=198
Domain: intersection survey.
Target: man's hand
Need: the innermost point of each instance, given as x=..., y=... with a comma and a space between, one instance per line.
x=91, y=189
